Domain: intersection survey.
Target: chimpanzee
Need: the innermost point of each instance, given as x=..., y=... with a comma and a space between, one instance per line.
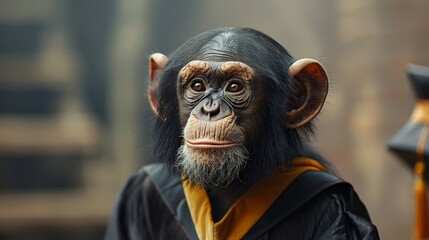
x=231, y=144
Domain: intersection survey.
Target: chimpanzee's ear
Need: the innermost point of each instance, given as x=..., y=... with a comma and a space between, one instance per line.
x=313, y=83
x=157, y=62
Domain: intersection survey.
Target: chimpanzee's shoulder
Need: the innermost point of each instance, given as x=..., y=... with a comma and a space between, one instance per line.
x=339, y=213
x=336, y=212
x=146, y=206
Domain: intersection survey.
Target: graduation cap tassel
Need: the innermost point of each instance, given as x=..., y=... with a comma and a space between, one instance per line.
x=421, y=230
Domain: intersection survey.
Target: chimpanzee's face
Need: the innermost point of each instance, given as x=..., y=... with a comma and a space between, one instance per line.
x=212, y=97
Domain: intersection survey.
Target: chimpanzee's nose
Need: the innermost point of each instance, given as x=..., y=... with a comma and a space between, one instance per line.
x=211, y=107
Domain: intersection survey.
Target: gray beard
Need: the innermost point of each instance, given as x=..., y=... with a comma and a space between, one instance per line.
x=211, y=168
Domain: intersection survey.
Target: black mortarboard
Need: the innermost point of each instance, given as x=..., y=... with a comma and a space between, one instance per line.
x=406, y=141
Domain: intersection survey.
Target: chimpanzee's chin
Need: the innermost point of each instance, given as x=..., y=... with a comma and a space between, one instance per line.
x=211, y=168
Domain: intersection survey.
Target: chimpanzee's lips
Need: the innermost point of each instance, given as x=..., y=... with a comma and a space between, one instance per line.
x=209, y=144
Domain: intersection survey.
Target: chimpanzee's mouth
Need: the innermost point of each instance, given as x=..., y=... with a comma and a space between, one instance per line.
x=210, y=144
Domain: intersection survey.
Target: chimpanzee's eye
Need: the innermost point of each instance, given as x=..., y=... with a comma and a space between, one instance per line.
x=198, y=85
x=234, y=87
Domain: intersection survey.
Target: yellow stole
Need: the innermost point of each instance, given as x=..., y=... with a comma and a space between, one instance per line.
x=249, y=208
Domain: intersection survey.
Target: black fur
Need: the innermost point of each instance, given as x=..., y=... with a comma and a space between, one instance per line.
x=273, y=145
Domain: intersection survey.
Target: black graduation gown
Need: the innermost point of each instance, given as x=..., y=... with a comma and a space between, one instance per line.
x=316, y=205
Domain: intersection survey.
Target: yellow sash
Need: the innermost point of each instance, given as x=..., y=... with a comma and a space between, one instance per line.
x=249, y=208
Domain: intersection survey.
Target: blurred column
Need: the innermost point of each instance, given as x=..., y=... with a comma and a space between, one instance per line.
x=126, y=86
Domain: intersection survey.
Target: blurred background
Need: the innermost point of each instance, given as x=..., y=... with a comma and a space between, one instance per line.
x=75, y=123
